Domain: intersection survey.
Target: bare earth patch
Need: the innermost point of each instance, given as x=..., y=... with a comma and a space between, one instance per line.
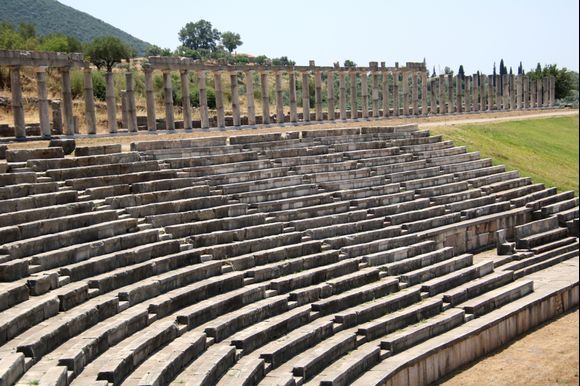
x=546, y=356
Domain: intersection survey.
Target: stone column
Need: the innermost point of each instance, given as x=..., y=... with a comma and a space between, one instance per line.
x=451, y=108
x=415, y=93
x=459, y=85
x=364, y=85
x=539, y=93
x=219, y=99
x=442, y=94
x=526, y=91
x=318, y=94
x=533, y=92
x=305, y=96
x=235, y=98
x=519, y=91
x=279, y=99
x=185, y=99
x=43, y=103
x=168, y=93
x=433, y=82
x=249, y=77
x=552, y=91
x=17, y=107
x=56, y=116
x=265, y=97
x=374, y=93
x=203, y=108
x=467, y=94
x=476, y=95
x=131, y=105
x=67, y=102
x=111, y=103
x=90, y=116
x=330, y=94
x=405, y=93
x=490, y=92
x=292, y=92
x=385, y=79
x=124, y=111
x=353, y=96
x=506, y=92
x=396, y=94
x=424, y=108
x=342, y=94
x=150, y=97
x=512, y=91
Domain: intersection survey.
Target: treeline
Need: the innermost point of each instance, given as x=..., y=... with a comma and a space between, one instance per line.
x=24, y=37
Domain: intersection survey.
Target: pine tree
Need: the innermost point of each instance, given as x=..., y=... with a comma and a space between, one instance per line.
x=511, y=71
x=520, y=69
x=494, y=74
x=434, y=73
x=502, y=68
x=538, y=69
x=461, y=71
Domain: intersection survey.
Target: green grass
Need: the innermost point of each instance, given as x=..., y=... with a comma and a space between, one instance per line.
x=544, y=149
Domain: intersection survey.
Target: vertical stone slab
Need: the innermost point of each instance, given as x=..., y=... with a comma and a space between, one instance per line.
x=67, y=102
x=279, y=97
x=292, y=92
x=476, y=106
x=405, y=93
x=342, y=94
x=43, y=103
x=149, y=97
x=168, y=99
x=424, y=108
x=442, y=94
x=249, y=78
x=433, y=95
x=306, y=96
x=219, y=99
x=385, y=79
x=318, y=94
x=353, y=96
x=330, y=94
x=17, y=107
x=415, y=93
x=131, y=105
x=203, y=108
x=364, y=85
x=185, y=99
x=235, y=98
x=265, y=97
x=451, y=108
x=90, y=116
x=459, y=97
x=56, y=116
x=111, y=103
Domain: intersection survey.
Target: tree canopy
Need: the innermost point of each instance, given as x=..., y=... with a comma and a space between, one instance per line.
x=107, y=51
x=231, y=40
x=199, y=35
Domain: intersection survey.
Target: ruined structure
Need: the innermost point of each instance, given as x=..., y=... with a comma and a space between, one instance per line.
x=320, y=257
x=380, y=91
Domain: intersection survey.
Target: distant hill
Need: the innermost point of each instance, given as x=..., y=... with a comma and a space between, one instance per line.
x=50, y=16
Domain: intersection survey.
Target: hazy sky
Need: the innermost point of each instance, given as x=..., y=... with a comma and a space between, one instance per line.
x=445, y=33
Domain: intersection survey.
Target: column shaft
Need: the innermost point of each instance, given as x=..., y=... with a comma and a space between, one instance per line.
x=305, y=97
x=342, y=94
x=385, y=79
x=442, y=94
x=90, y=116
x=219, y=99
x=292, y=92
x=415, y=93
x=69, y=124
x=330, y=94
x=249, y=78
x=203, y=107
x=318, y=94
x=424, y=108
x=279, y=98
x=43, y=103
x=405, y=93
x=433, y=96
x=150, y=98
x=353, y=96
x=111, y=103
x=17, y=107
x=168, y=93
x=185, y=99
x=375, y=93
x=365, y=94
x=131, y=105
x=396, y=94
x=265, y=98
x=235, y=98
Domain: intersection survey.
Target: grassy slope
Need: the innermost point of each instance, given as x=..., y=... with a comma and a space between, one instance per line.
x=544, y=149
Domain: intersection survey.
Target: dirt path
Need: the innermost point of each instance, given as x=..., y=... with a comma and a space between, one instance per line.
x=546, y=356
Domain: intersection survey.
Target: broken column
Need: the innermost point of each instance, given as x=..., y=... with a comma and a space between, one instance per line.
x=43, y=103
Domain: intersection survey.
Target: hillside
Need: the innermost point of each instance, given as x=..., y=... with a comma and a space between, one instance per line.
x=50, y=16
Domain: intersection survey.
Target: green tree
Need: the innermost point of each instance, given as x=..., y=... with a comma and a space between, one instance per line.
x=231, y=40
x=154, y=50
x=283, y=61
x=106, y=51
x=262, y=60
x=349, y=63
x=60, y=43
x=565, y=79
x=198, y=35
x=13, y=39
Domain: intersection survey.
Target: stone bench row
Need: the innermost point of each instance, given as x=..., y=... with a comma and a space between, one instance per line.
x=41, y=165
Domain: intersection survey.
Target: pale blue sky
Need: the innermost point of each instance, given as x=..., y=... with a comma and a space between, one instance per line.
x=446, y=32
